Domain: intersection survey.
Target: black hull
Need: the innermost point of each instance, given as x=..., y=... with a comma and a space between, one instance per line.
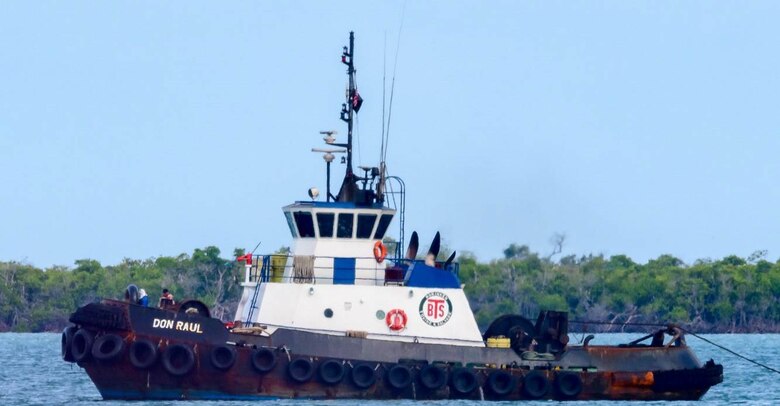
x=320, y=366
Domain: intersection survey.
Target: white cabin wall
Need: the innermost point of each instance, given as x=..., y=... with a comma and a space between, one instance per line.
x=302, y=306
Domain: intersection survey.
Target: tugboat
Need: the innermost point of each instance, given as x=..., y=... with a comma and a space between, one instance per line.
x=337, y=318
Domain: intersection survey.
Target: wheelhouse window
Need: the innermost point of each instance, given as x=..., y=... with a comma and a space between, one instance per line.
x=305, y=224
x=365, y=225
x=325, y=224
x=381, y=229
x=345, y=225
x=290, y=224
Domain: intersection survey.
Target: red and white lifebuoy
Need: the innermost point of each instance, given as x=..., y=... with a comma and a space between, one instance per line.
x=380, y=251
x=396, y=319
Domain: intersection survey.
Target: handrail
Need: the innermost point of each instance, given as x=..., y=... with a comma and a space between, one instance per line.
x=262, y=272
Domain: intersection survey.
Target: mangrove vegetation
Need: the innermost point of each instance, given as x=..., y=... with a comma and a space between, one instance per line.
x=732, y=294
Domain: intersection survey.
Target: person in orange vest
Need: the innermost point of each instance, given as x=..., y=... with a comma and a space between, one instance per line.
x=166, y=299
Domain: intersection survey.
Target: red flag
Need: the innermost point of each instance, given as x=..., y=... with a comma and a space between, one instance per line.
x=357, y=101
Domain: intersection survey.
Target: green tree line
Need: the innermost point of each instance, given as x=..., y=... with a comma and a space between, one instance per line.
x=732, y=294
x=34, y=299
x=729, y=295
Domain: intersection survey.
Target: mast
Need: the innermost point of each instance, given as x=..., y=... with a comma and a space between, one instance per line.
x=349, y=186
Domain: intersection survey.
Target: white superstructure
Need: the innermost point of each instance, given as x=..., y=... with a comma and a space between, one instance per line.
x=332, y=284
x=337, y=280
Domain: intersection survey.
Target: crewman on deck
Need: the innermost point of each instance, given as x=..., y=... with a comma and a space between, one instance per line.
x=143, y=298
x=166, y=299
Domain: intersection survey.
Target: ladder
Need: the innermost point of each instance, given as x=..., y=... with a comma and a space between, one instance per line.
x=263, y=277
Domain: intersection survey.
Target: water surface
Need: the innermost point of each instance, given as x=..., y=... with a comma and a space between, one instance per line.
x=33, y=373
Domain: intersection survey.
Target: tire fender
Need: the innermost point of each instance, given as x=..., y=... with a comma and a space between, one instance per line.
x=223, y=357
x=535, y=385
x=108, y=347
x=143, y=354
x=81, y=346
x=67, y=342
x=399, y=377
x=178, y=359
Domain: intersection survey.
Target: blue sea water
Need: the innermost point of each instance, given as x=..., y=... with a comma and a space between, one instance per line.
x=32, y=373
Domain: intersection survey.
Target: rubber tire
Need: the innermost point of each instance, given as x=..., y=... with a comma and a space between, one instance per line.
x=535, y=385
x=501, y=383
x=432, y=377
x=108, y=347
x=169, y=359
x=399, y=377
x=66, y=342
x=568, y=385
x=363, y=376
x=143, y=353
x=223, y=357
x=263, y=360
x=81, y=347
x=331, y=372
x=463, y=381
x=300, y=370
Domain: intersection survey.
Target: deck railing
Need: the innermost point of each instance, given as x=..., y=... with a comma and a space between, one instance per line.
x=274, y=267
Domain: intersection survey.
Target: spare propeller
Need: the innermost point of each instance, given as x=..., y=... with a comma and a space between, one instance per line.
x=411, y=251
x=430, y=259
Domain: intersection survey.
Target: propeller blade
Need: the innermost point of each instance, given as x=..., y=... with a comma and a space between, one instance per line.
x=430, y=259
x=450, y=259
x=411, y=251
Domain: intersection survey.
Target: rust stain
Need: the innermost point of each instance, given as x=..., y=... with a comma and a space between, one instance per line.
x=633, y=379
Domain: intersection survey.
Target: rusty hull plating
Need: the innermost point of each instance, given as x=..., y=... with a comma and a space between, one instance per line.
x=297, y=364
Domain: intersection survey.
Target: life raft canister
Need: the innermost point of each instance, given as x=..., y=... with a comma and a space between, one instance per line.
x=396, y=319
x=380, y=251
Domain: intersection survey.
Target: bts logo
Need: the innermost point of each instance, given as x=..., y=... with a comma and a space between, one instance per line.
x=435, y=309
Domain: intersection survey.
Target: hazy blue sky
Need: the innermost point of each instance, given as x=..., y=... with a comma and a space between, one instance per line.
x=139, y=129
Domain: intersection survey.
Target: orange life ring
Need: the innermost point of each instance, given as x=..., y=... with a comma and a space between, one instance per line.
x=396, y=319
x=380, y=251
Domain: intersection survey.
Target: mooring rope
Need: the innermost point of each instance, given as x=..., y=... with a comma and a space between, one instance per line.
x=732, y=352
x=611, y=323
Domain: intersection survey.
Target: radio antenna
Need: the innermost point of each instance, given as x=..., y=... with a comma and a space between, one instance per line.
x=392, y=87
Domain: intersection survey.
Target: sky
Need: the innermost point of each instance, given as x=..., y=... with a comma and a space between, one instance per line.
x=141, y=129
